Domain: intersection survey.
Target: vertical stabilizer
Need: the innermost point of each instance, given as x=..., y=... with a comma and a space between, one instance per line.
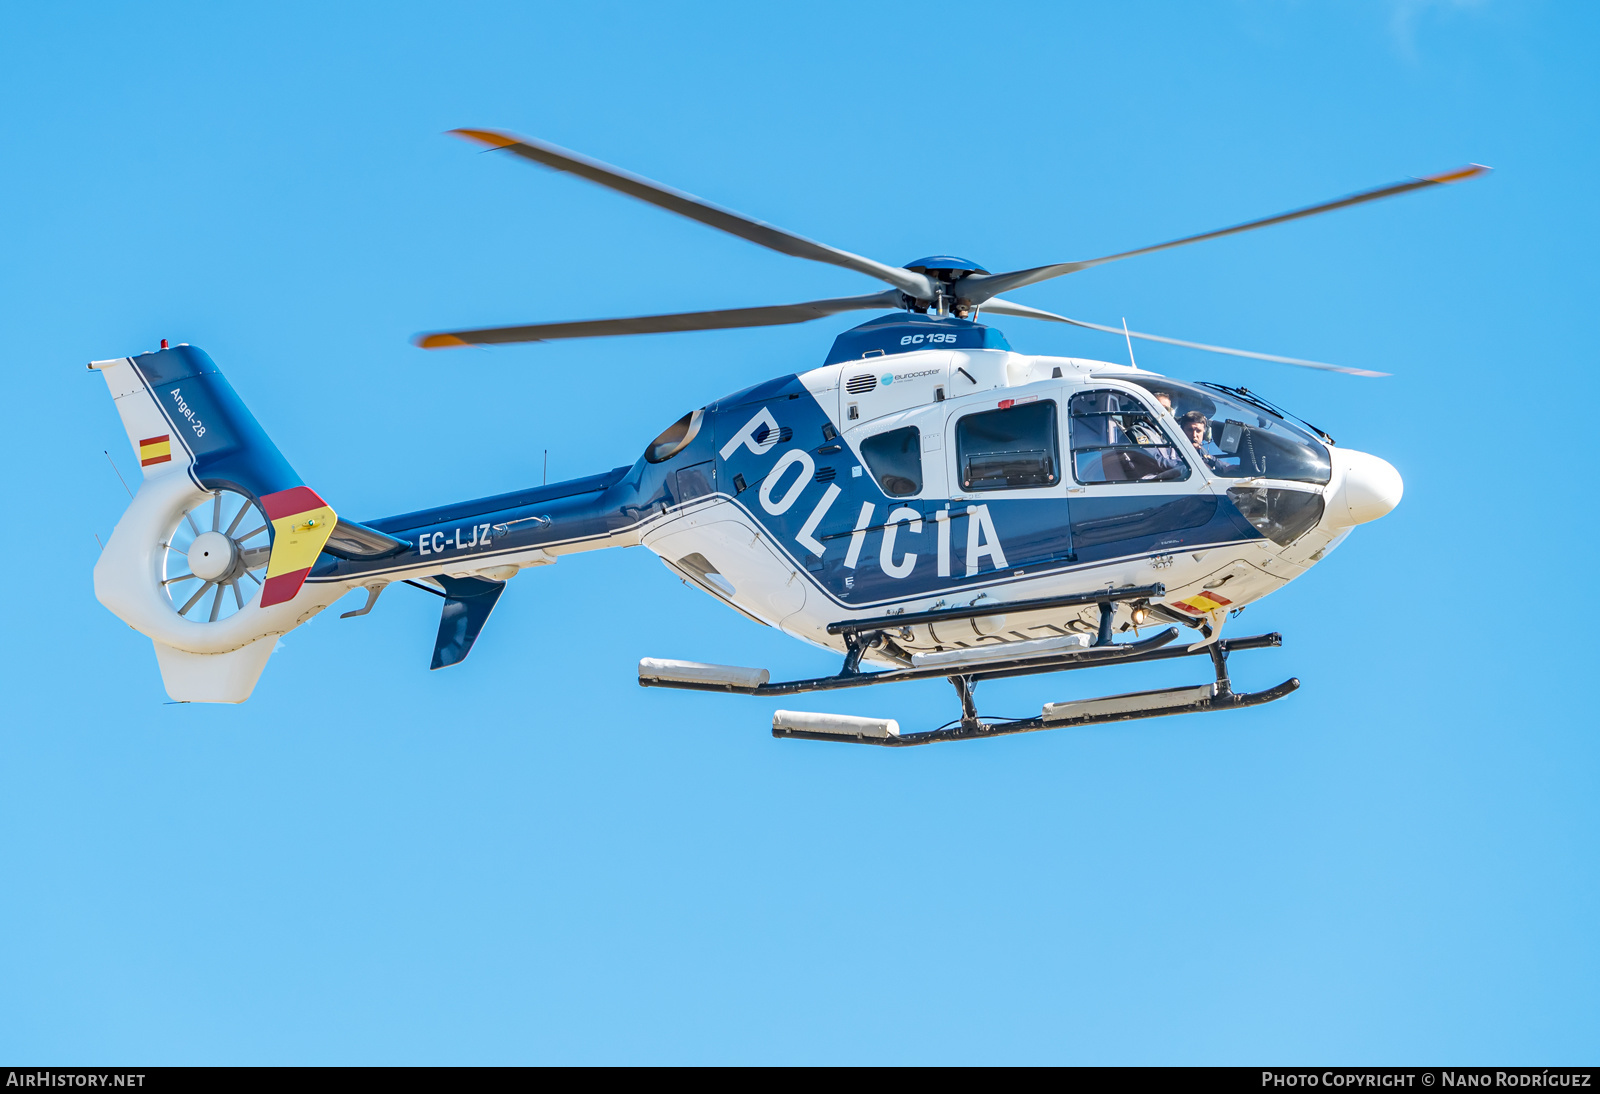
x=214, y=677
x=210, y=559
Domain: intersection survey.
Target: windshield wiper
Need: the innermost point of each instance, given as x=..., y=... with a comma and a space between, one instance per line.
x=1271, y=408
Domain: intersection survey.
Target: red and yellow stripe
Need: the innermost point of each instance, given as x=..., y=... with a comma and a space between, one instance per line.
x=155, y=450
x=301, y=525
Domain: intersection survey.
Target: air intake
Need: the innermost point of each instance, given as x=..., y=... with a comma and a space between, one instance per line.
x=860, y=385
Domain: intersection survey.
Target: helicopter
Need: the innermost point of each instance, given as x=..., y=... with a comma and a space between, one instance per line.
x=927, y=503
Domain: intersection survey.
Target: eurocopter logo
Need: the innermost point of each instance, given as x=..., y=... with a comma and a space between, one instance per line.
x=890, y=377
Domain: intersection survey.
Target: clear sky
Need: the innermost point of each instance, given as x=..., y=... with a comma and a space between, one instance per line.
x=528, y=858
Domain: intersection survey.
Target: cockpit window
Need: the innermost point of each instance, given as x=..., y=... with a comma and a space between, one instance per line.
x=1237, y=439
x=895, y=460
x=1115, y=438
x=1009, y=448
x=675, y=438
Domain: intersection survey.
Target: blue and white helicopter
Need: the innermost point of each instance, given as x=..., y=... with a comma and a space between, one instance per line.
x=927, y=503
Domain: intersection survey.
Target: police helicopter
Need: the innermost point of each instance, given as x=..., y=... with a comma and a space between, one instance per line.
x=926, y=503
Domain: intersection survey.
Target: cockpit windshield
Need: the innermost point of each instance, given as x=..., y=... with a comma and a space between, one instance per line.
x=1236, y=438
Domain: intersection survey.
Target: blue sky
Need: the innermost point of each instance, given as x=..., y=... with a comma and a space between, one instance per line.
x=528, y=858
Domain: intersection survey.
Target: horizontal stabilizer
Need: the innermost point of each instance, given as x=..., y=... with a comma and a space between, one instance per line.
x=468, y=602
x=301, y=525
x=354, y=541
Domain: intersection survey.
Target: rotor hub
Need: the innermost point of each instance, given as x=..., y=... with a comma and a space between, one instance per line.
x=213, y=556
x=946, y=268
x=944, y=271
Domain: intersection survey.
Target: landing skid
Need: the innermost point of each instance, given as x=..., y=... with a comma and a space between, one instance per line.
x=1204, y=698
x=1084, y=712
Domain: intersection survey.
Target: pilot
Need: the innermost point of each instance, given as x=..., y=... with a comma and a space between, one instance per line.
x=1196, y=426
x=1165, y=399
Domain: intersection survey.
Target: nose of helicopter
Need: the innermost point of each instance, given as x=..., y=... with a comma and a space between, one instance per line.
x=1368, y=488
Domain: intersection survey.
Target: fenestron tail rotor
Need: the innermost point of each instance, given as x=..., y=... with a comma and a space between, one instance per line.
x=215, y=558
x=953, y=286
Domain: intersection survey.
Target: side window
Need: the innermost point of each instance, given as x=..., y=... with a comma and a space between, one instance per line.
x=1009, y=448
x=895, y=460
x=1115, y=438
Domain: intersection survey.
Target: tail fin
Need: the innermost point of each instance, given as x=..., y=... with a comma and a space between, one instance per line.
x=210, y=559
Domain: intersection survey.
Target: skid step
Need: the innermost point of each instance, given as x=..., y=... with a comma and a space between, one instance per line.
x=655, y=670
x=828, y=727
x=1145, y=702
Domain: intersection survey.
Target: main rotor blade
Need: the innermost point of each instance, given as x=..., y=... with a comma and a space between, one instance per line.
x=687, y=205
x=977, y=288
x=1022, y=311
x=774, y=315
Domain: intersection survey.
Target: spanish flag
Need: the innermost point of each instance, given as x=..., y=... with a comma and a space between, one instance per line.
x=301, y=525
x=1202, y=603
x=155, y=450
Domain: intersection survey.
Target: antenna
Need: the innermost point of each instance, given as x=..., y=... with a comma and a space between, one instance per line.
x=547, y=467
x=1129, y=337
x=120, y=479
